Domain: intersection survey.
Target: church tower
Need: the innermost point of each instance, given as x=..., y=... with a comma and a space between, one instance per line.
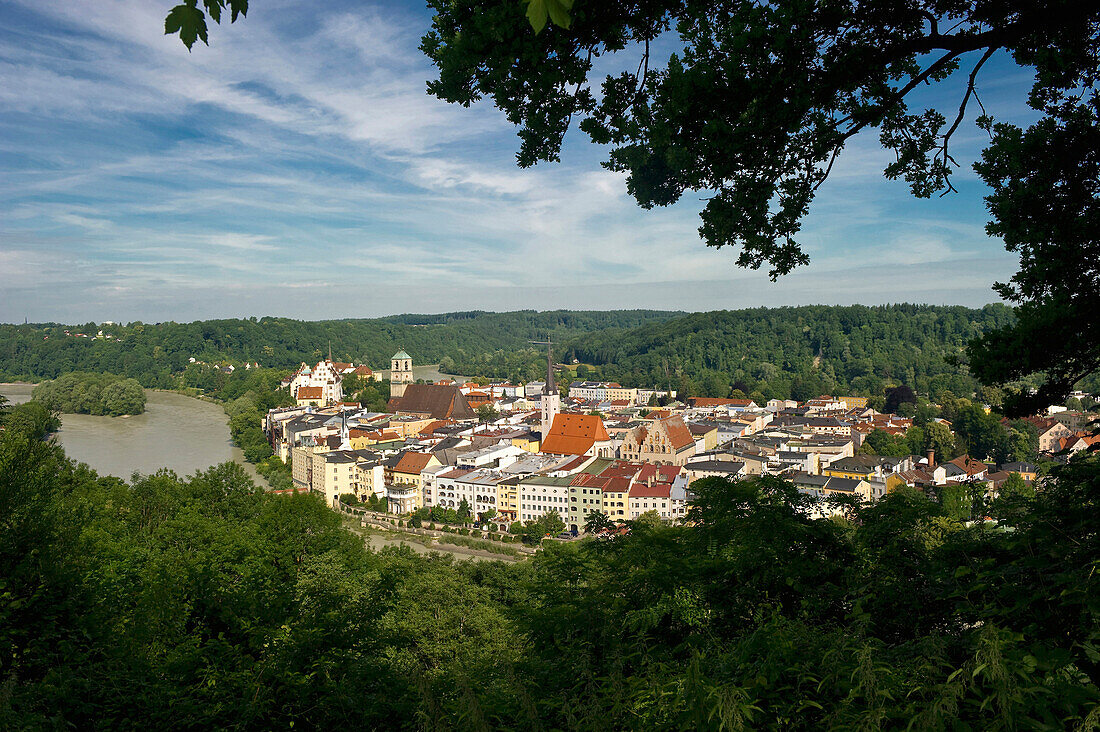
x=401, y=373
x=551, y=401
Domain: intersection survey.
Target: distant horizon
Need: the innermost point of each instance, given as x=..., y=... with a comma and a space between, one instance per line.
x=676, y=311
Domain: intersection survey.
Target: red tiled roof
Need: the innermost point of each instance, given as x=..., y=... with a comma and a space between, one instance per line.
x=658, y=473
x=431, y=427
x=678, y=433
x=574, y=434
x=309, y=392
x=641, y=490
x=969, y=465
x=413, y=462
x=617, y=485
x=574, y=464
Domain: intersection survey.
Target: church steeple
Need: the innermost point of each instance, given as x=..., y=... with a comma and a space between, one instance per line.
x=551, y=387
x=551, y=401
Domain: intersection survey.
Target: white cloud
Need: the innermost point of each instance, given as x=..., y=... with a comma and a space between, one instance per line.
x=300, y=149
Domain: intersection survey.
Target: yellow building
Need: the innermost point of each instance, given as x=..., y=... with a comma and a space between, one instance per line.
x=527, y=442
x=409, y=468
x=616, y=393
x=508, y=498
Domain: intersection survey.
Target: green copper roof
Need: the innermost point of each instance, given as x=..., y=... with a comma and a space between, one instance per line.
x=401, y=354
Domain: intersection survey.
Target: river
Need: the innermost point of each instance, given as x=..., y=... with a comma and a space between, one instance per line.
x=175, y=432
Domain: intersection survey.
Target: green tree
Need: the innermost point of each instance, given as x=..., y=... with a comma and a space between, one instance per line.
x=647, y=520
x=1015, y=485
x=487, y=413
x=596, y=522
x=758, y=101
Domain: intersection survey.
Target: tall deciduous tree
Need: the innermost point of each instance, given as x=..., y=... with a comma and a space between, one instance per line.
x=761, y=98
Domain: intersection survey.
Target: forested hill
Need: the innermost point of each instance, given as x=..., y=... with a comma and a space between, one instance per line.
x=796, y=352
x=151, y=353
x=856, y=349
x=791, y=352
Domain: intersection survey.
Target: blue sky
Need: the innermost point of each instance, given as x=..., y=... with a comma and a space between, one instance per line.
x=297, y=167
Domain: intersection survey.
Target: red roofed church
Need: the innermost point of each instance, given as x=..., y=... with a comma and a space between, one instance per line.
x=577, y=434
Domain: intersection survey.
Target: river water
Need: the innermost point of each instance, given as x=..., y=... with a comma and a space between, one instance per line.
x=175, y=432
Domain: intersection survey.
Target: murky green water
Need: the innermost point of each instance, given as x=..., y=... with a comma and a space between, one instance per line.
x=175, y=432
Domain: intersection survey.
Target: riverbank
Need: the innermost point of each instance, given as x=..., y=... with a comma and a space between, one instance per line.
x=177, y=432
x=378, y=538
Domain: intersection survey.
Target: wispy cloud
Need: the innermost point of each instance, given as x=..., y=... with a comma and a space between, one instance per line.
x=297, y=166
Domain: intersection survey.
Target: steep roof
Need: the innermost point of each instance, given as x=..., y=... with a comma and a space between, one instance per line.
x=401, y=355
x=434, y=400
x=574, y=434
x=969, y=465
x=678, y=433
x=413, y=462
x=309, y=392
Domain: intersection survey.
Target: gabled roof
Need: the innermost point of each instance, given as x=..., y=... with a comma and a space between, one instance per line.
x=413, y=462
x=434, y=400
x=969, y=465
x=309, y=392
x=678, y=433
x=574, y=434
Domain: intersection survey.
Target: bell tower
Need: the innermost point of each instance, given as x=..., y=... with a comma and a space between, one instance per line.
x=551, y=400
x=401, y=373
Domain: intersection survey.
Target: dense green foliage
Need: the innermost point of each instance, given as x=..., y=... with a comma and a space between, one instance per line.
x=98, y=394
x=753, y=102
x=1058, y=286
x=30, y=418
x=203, y=603
x=247, y=397
x=776, y=352
x=156, y=354
x=798, y=352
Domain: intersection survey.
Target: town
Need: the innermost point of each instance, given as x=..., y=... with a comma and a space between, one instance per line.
x=595, y=455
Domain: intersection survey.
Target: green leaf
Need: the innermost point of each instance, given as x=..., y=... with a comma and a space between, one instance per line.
x=189, y=22
x=239, y=7
x=559, y=12
x=214, y=7
x=537, y=14
x=556, y=10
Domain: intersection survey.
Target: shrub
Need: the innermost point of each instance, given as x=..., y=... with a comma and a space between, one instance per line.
x=464, y=532
x=476, y=533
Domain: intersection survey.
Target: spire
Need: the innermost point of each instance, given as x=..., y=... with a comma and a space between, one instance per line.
x=551, y=387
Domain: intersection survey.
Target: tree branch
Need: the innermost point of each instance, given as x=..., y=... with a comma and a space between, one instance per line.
x=966, y=97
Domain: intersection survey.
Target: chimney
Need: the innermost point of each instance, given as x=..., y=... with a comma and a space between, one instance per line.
x=931, y=458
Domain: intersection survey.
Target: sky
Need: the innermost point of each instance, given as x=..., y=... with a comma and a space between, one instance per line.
x=297, y=167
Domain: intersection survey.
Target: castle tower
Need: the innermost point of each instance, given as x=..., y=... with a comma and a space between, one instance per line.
x=401, y=373
x=551, y=400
